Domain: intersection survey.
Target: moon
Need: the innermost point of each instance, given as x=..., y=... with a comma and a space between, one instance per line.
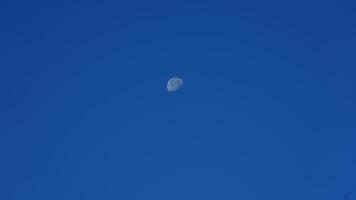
x=174, y=84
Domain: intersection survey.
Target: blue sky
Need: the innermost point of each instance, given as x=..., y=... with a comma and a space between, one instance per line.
x=267, y=110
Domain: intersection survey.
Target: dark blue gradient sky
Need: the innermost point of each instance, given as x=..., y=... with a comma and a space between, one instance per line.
x=268, y=109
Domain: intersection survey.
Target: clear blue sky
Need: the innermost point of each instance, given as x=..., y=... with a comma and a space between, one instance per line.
x=268, y=109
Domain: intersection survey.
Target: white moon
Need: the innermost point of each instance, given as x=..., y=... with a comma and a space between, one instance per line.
x=174, y=84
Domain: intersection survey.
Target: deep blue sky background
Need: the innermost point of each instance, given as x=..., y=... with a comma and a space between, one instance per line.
x=268, y=110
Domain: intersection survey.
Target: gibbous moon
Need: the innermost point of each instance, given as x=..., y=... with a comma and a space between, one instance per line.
x=174, y=84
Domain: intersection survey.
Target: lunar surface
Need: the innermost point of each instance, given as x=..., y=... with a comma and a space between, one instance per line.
x=174, y=84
